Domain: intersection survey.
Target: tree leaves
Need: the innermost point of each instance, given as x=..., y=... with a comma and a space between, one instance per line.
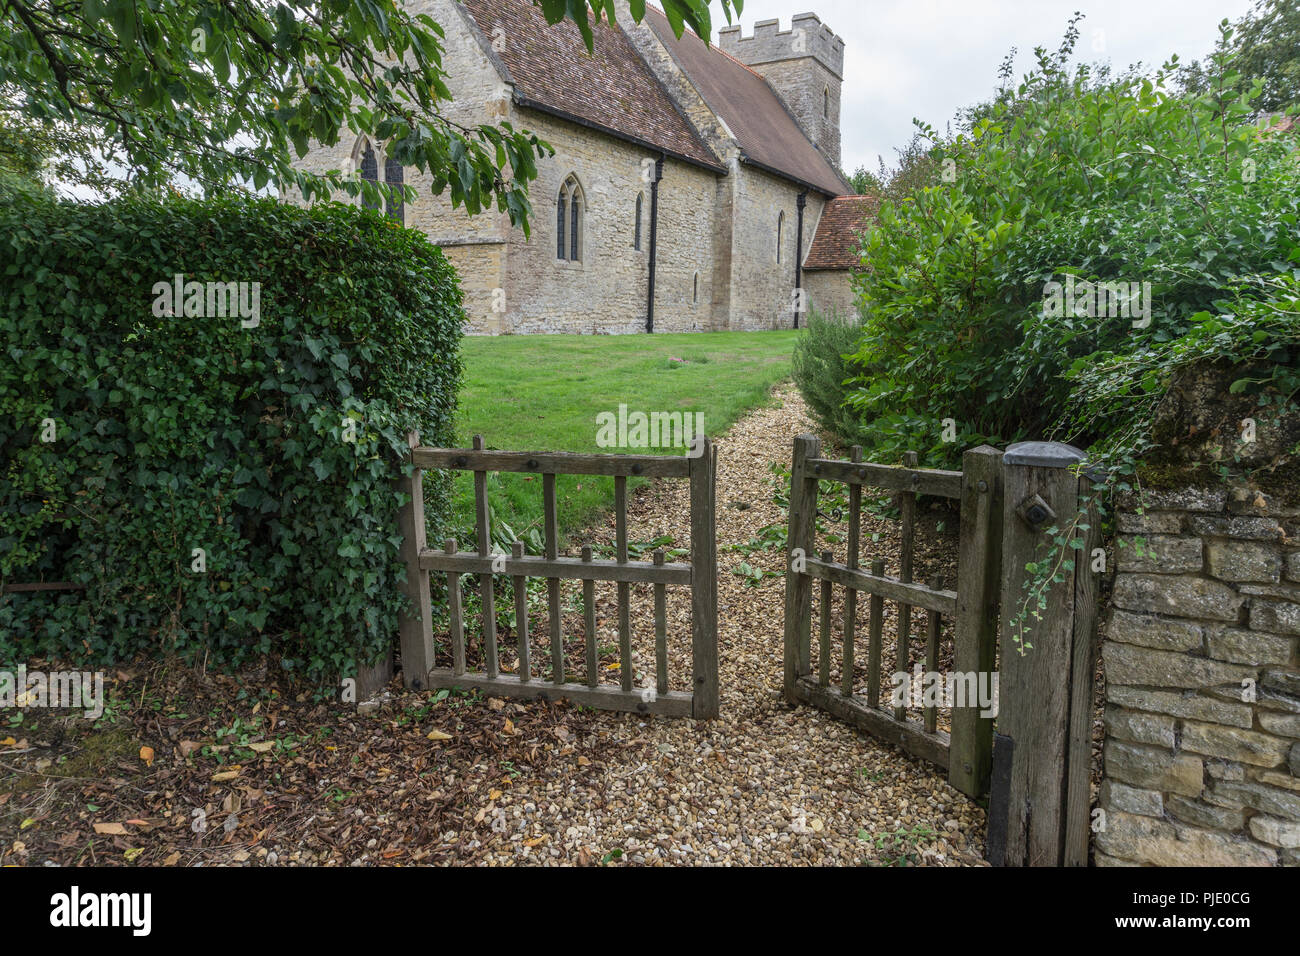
x=164, y=88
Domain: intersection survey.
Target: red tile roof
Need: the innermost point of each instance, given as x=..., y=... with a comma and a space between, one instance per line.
x=769, y=136
x=836, y=242
x=1281, y=124
x=612, y=89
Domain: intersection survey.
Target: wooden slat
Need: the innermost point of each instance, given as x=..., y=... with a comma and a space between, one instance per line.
x=620, y=519
x=875, y=639
x=661, y=630
x=589, y=620
x=457, y=621
x=920, y=481
x=907, y=734
x=521, y=617
x=563, y=463
x=975, y=627
x=572, y=569
x=704, y=578
x=907, y=511
x=851, y=595
x=41, y=586
x=824, y=631
x=933, y=623
x=890, y=588
x=625, y=669
x=552, y=535
x=487, y=585
x=672, y=704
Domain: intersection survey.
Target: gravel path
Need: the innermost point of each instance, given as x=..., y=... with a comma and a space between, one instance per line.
x=764, y=783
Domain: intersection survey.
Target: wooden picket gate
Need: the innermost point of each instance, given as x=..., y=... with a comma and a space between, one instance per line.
x=966, y=752
x=700, y=575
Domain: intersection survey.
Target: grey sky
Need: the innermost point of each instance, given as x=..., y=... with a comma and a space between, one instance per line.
x=929, y=58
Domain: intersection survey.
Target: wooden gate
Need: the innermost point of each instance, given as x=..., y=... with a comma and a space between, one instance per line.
x=972, y=607
x=700, y=700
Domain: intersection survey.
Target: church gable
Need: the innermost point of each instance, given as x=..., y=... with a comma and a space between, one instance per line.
x=611, y=90
x=767, y=133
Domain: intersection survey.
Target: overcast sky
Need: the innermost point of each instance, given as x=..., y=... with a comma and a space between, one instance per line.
x=930, y=58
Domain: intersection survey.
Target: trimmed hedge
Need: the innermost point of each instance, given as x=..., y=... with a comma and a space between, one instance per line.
x=183, y=432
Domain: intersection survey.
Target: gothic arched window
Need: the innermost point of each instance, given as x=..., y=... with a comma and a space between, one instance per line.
x=695, y=292
x=367, y=164
x=570, y=200
x=561, y=218
x=780, y=227
x=393, y=176
x=369, y=172
x=636, y=235
x=826, y=102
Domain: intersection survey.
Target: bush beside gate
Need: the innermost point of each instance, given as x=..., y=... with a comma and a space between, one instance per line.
x=218, y=487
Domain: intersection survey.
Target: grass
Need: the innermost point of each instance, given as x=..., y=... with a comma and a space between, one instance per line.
x=543, y=392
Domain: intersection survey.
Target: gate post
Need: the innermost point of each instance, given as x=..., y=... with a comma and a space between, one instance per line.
x=798, y=586
x=415, y=631
x=978, y=579
x=704, y=580
x=1040, y=813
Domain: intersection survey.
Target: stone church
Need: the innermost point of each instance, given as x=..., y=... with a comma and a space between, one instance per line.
x=693, y=187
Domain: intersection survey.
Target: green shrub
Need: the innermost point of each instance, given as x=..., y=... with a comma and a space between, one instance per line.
x=1072, y=173
x=226, y=434
x=822, y=372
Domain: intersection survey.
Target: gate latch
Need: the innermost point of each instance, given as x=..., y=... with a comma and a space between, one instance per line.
x=1036, y=512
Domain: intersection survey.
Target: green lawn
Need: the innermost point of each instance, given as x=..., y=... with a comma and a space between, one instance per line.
x=543, y=392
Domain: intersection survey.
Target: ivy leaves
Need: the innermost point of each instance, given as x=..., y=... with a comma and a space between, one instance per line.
x=271, y=449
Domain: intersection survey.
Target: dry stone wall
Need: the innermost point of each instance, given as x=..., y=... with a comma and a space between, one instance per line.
x=1202, y=751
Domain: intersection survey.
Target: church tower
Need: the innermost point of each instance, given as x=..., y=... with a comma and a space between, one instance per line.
x=805, y=65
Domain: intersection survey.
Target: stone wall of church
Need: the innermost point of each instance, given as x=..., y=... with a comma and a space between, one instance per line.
x=605, y=291
x=800, y=64
x=812, y=94
x=483, y=278
x=762, y=289
x=829, y=292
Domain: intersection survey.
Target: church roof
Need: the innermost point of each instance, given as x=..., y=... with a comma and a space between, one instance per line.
x=769, y=135
x=835, y=244
x=611, y=89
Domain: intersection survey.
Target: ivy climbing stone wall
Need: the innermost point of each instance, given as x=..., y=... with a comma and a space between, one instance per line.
x=1202, y=715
